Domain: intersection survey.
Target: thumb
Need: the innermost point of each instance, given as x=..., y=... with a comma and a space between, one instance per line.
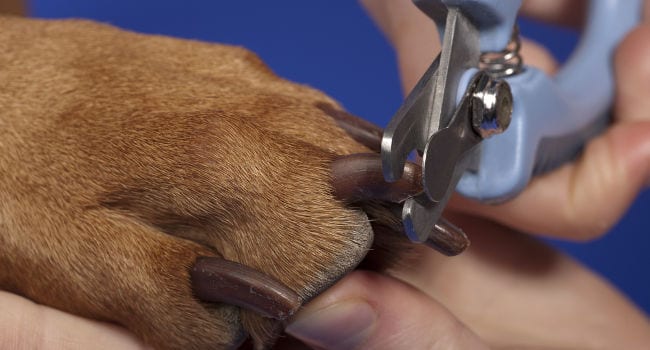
x=371, y=311
x=633, y=76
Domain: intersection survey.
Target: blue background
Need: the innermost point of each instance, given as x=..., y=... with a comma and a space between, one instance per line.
x=332, y=45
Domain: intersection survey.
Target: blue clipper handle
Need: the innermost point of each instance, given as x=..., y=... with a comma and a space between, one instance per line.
x=553, y=117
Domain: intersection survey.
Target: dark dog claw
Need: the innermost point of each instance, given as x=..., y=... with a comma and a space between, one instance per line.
x=447, y=238
x=361, y=130
x=359, y=177
x=221, y=281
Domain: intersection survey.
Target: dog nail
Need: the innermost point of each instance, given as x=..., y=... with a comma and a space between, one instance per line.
x=222, y=281
x=447, y=238
x=344, y=325
x=361, y=130
x=359, y=177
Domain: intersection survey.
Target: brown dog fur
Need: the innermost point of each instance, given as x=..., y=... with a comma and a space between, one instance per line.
x=124, y=157
x=14, y=7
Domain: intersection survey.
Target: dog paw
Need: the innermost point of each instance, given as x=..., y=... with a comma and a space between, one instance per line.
x=156, y=183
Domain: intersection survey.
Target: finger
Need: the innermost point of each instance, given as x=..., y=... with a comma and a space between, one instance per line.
x=371, y=311
x=415, y=39
x=399, y=19
x=632, y=67
x=412, y=34
x=581, y=200
x=563, y=12
x=517, y=293
x=26, y=325
x=536, y=55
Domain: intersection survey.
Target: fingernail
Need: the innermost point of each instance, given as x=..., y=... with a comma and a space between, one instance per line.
x=344, y=325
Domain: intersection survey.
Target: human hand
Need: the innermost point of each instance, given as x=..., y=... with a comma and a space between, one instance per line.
x=580, y=200
x=507, y=291
x=372, y=311
x=26, y=325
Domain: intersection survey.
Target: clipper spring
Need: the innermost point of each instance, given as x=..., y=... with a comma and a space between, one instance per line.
x=505, y=63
